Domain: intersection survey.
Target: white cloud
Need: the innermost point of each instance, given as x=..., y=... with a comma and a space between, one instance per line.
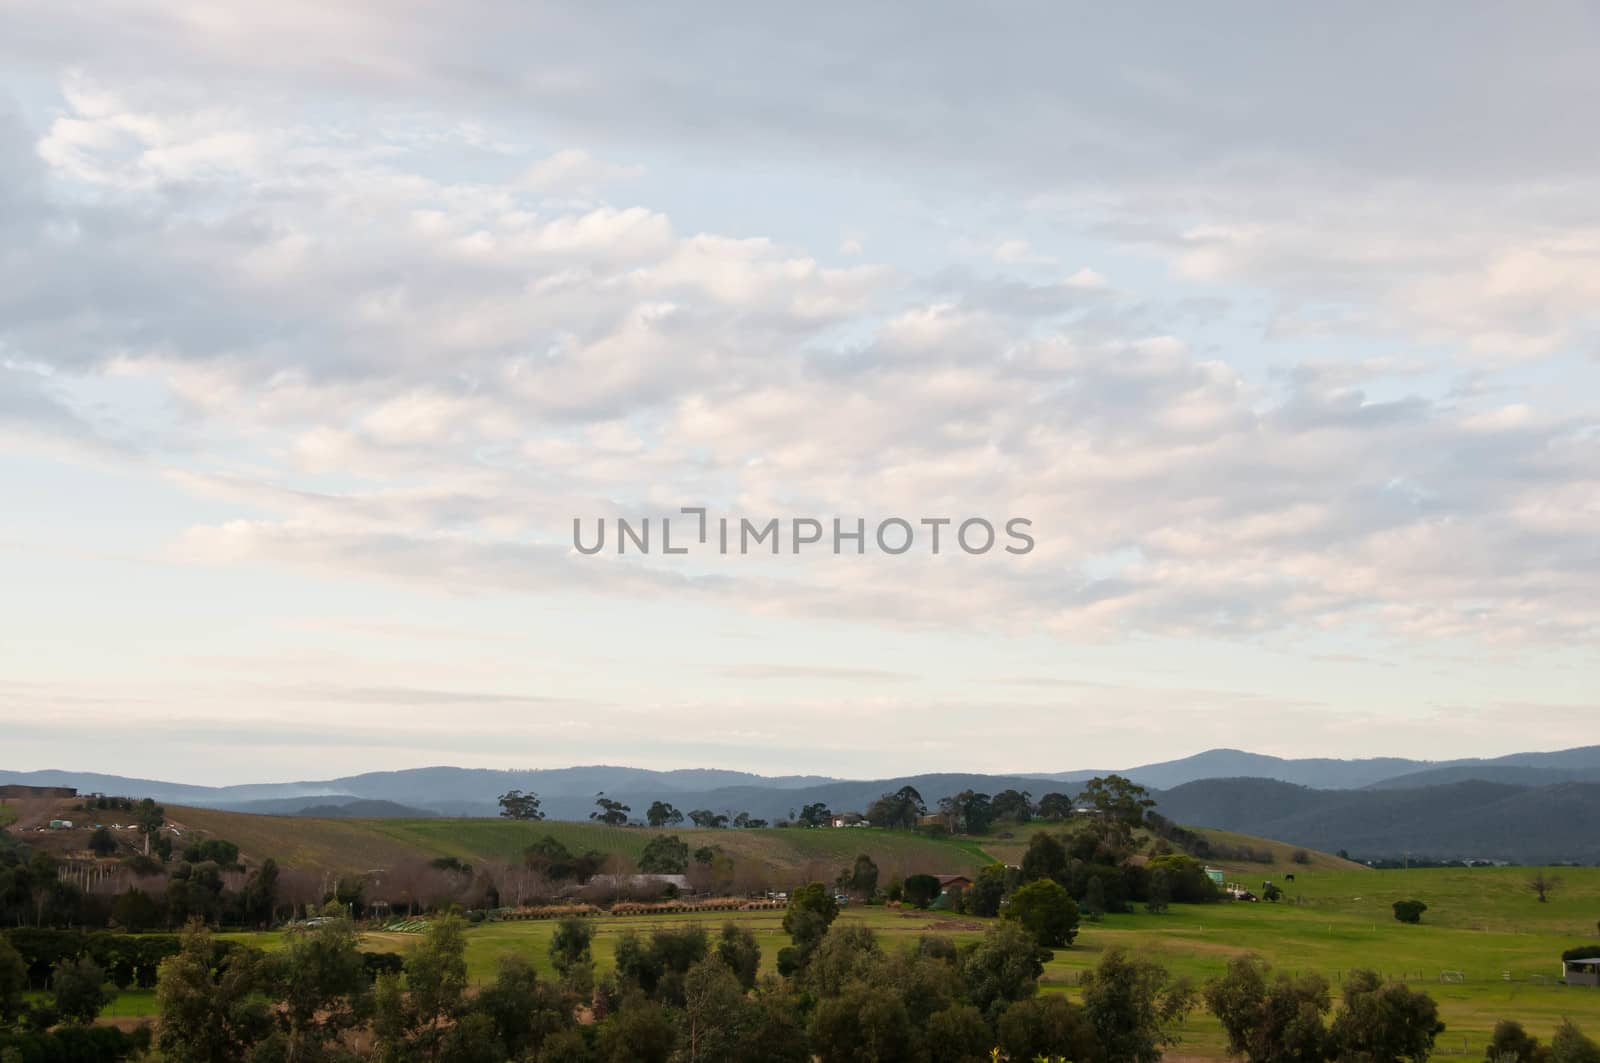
x=398, y=338
x=1019, y=253
x=574, y=172
x=389, y=345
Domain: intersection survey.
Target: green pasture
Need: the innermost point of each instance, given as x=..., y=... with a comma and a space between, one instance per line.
x=355, y=845
x=1482, y=924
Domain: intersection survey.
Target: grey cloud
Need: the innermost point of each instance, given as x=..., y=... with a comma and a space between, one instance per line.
x=1366, y=205
x=30, y=407
x=1031, y=92
x=499, y=358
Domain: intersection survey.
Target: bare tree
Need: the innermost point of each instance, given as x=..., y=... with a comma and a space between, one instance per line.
x=300, y=890
x=518, y=884
x=1542, y=885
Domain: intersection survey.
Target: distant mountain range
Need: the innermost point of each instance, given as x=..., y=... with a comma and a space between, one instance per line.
x=1524, y=806
x=1470, y=819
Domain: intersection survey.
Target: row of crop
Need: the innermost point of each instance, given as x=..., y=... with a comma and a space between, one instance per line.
x=407, y=926
x=721, y=904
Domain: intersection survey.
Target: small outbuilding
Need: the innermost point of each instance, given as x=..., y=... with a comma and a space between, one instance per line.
x=1582, y=970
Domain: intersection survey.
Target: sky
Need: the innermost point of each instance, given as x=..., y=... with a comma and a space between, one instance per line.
x=322, y=323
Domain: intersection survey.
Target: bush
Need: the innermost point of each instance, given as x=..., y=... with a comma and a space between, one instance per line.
x=75, y=1044
x=1569, y=1045
x=1409, y=911
x=80, y=990
x=1186, y=878
x=1511, y=1042
x=920, y=890
x=1045, y=910
x=378, y=963
x=665, y=855
x=987, y=891
x=102, y=842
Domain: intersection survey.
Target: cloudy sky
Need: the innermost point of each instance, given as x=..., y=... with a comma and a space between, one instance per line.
x=320, y=322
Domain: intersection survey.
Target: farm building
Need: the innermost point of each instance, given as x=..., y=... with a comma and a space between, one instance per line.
x=18, y=790
x=637, y=884
x=1585, y=970
x=954, y=882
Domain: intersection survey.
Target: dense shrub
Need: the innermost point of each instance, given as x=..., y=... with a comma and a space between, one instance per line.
x=75, y=1044
x=1046, y=911
x=921, y=890
x=1409, y=911
x=127, y=959
x=1186, y=878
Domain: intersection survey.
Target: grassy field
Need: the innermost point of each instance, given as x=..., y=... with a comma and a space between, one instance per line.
x=1282, y=853
x=1481, y=923
x=363, y=844
x=1009, y=847
x=354, y=845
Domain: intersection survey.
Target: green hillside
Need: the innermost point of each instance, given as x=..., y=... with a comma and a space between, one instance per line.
x=1283, y=855
x=1009, y=846
x=345, y=845
x=363, y=844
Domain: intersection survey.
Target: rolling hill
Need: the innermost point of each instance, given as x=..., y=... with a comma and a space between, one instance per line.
x=1470, y=819
x=363, y=844
x=349, y=844
x=1501, y=808
x=569, y=792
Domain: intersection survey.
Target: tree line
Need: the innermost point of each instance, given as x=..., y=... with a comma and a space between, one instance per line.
x=685, y=994
x=514, y=804
x=968, y=812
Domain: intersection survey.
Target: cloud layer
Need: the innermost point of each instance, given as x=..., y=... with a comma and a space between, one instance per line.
x=1262, y=363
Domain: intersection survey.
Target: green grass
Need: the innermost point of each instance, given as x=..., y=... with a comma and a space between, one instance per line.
x=1480, y=922
x=1282, y=854
x=1336, y=916
x=345, y=845
x=357, y=845
x=1010, y=849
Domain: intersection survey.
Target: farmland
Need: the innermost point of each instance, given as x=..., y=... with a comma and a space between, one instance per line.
x=1486, y=949
x=1481, y=923
x=362, y=844
x=355, y=845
